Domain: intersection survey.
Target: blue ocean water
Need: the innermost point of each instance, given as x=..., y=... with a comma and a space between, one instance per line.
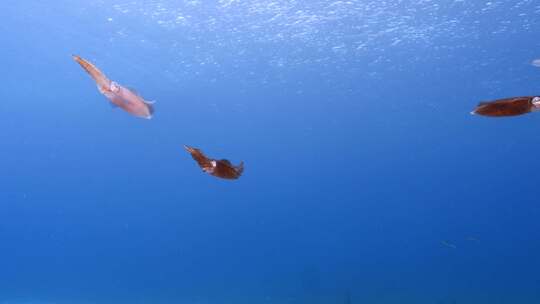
x=366, y=179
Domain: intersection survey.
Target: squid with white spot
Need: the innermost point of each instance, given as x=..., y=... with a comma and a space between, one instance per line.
x=220, y=168
x=508, y=106
x=118, y=95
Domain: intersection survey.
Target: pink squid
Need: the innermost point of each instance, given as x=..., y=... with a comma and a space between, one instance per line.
x=118, y=95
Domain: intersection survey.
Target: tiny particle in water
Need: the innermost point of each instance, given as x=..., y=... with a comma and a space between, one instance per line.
x=110, y=19
x=536, y=63
x=448, y=244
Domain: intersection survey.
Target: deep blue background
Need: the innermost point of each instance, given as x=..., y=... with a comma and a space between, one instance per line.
x=352, y=119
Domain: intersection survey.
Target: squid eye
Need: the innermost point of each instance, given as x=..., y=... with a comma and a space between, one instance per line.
x=536, y=101
x=114, y=87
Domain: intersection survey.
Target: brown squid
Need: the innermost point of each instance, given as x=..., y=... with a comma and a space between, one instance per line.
x=118, y=95
x=220, y=168
x=508, y=106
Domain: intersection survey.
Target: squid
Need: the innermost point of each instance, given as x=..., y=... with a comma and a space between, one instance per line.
x=119, y=96
x=508, y=106
x=220, y=168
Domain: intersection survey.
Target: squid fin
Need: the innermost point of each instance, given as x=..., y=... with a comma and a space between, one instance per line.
x=226, y=161
x=150, y=108
x=133, y=90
